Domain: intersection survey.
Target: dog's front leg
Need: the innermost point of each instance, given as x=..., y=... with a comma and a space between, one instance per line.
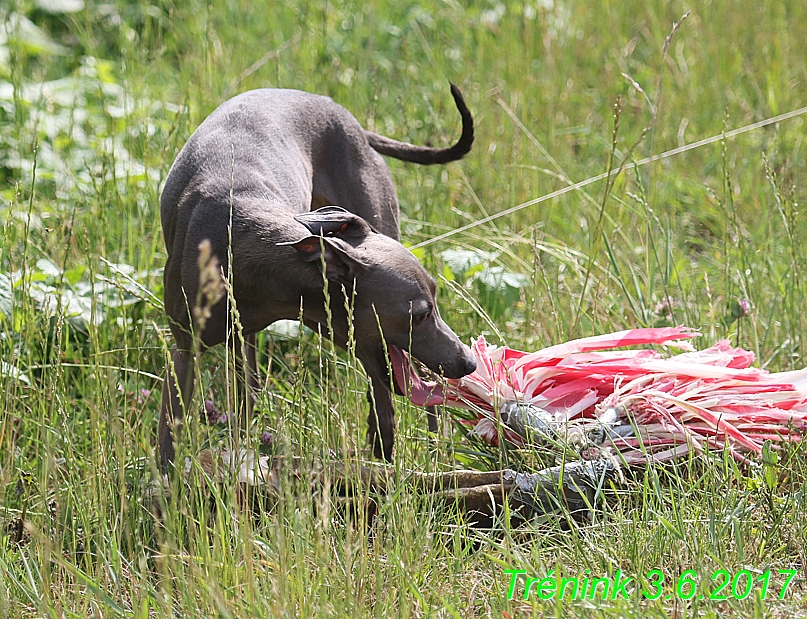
x=180, y=372
x=431, y=417
x=381, y=421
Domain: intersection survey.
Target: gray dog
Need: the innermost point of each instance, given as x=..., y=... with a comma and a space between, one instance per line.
x=256, y=176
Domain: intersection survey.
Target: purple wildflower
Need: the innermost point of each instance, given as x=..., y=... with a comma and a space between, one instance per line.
x=268, y=444
x=212, y=412
x=737, y=308
x=665, y=307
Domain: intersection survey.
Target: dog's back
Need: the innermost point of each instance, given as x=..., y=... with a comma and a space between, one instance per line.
x=297, y=150
x=265, y=143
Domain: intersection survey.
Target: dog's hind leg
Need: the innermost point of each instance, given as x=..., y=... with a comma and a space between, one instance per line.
x=251, y=368
x=177, y=390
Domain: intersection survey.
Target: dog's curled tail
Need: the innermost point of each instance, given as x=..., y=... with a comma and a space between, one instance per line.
x=426, y=155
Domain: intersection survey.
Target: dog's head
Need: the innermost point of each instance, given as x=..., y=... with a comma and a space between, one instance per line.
x=391, y=294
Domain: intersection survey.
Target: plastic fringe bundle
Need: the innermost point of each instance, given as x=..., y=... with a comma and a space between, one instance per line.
x=639, y=405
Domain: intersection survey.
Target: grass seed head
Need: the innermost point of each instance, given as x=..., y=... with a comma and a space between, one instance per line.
x=211, y=283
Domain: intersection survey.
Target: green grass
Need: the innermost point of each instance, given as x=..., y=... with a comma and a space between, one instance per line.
x=95, y=104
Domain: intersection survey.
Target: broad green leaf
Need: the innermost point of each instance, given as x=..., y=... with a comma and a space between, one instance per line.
x=27, y=34
x=74, y=275
x=418, y=253
x=498, y=289
x=56, y=7
x=284, y=330
x=461, y=261
x=12, y=371
x=48, y=268
x=6, y=295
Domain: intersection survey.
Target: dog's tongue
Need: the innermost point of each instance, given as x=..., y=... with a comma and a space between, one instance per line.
x=419, y=392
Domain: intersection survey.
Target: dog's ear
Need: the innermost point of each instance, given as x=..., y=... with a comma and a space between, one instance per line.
x=333, y=220
x=342, y=263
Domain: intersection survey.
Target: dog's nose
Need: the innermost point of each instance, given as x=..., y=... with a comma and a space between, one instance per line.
x=462, y=365
x=470, y=364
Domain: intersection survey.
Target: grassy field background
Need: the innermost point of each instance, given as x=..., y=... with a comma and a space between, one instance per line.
x=95, y=102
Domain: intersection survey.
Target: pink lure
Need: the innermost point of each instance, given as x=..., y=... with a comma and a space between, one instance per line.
x=648, y=406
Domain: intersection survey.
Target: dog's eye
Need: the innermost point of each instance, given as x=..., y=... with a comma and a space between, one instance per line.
x=421, y=317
